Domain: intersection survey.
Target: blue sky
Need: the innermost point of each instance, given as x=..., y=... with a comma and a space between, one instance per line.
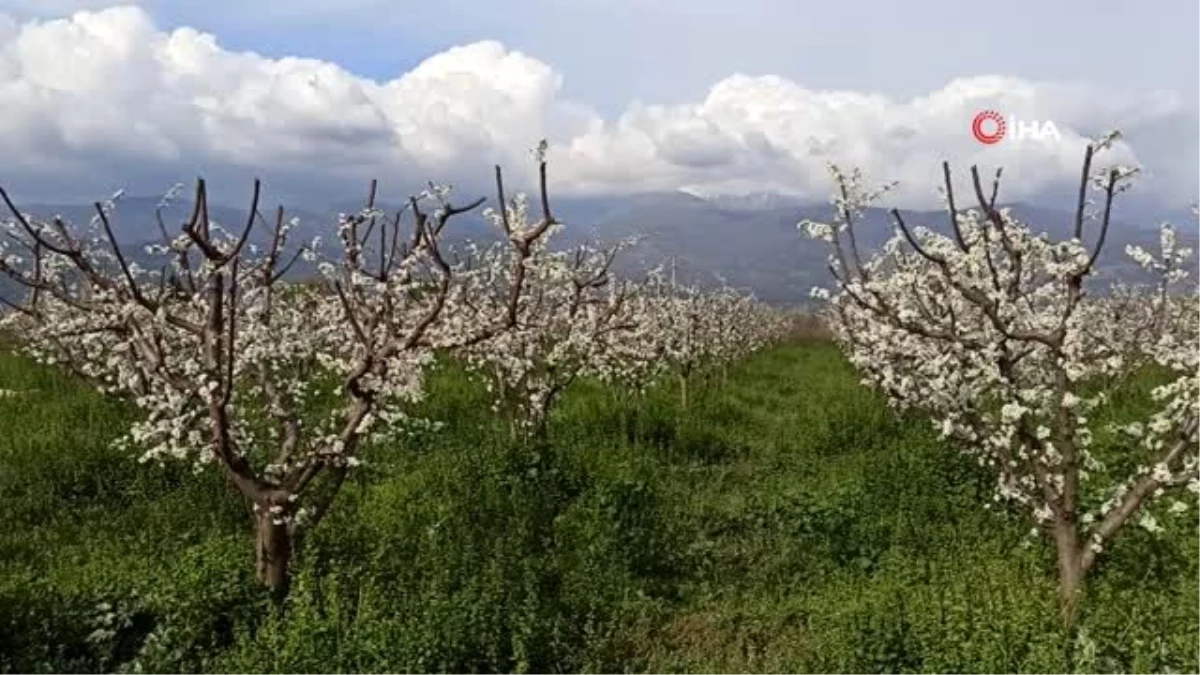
x=612, y=52
x=621, y=87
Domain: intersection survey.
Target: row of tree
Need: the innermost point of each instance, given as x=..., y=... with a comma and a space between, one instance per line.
x=278, y=385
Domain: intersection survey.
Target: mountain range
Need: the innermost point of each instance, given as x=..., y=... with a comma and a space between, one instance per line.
x=751, y=242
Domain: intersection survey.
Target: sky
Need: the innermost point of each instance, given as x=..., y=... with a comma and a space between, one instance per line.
x=710, y=96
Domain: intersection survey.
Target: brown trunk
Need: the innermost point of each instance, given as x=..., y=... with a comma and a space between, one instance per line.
x=274, y=553
x=683, y=390
x=542, y=431
x=1070, y=572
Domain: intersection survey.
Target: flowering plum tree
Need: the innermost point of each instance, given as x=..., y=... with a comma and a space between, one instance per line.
x=632, y=360
x=577, y=319
x=228, y=362
x=990, y=329
x=697, y=330
x=562, y=327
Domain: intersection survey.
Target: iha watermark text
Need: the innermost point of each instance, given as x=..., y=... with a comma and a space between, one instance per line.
x=990, y=127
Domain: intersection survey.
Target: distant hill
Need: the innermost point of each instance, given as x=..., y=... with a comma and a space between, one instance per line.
x=750, y=242
x=762, y=249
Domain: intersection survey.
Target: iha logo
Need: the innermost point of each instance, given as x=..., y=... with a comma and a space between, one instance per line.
x=990, y=127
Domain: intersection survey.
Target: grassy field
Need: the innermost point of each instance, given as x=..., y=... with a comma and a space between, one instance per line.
x=787, y=521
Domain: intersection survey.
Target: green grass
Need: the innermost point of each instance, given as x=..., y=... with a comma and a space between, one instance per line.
x=785, y=522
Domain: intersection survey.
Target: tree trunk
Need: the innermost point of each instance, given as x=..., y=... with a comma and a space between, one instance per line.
x=274, y=553
x=541, y=431
x=683, y=391
x=1070, y=572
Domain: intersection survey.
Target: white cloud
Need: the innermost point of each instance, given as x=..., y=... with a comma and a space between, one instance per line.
x=107, y=97
x=110, y=87
x=772, y=134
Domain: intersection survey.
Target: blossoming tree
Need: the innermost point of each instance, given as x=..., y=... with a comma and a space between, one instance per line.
x=563, y=327
x=698, y=330
x=227, y=361
x=992, y=330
